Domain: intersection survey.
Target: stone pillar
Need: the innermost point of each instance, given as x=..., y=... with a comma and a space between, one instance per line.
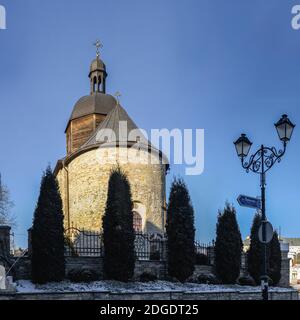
x=285, y=265
x=4, y=241
x=244, y=265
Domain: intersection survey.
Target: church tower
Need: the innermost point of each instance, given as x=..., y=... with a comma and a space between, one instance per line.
x=90, y=110
x=83, y=174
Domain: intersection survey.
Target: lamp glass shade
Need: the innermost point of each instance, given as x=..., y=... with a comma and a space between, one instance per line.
x=242, y=146
x=284, y=128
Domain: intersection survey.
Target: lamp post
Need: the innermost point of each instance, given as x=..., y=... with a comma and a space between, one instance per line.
x=261, y=162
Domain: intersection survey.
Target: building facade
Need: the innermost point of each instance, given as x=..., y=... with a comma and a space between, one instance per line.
x=293, y=245
x=100, y=136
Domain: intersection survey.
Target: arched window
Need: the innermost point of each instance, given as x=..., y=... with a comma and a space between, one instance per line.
x=137, y=222
x=99, y=84
x=95, y=84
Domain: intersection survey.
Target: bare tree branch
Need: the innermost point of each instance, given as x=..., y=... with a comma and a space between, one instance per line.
x=6, y=205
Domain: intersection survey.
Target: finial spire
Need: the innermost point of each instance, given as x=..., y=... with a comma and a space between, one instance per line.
x=98, y=46
x=118, y=96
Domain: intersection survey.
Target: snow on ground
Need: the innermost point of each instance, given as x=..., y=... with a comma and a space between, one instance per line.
x=26, y=286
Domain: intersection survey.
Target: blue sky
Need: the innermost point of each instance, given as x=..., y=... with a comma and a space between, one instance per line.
x=226, y=66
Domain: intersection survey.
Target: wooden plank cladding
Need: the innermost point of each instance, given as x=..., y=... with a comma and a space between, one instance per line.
x=80, y=130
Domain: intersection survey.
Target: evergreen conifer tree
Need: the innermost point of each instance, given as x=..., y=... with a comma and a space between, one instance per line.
x=228, y=246
x=254, y=254
x=48, y=263
x=275, y=259
x=180, y=232
x=118, y=232
x=255, y=258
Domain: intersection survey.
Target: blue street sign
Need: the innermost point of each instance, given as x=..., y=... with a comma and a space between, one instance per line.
x=249, y=202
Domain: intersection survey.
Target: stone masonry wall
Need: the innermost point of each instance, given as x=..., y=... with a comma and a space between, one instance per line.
x=158, y=268
x=88, y=176
x=94, y=263
x=159, y=295
x=22, y=269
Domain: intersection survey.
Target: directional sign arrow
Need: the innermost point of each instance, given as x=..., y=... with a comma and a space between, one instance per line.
x=250, y=202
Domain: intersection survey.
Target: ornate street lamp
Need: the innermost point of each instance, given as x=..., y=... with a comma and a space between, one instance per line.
x=261, y=162
x=242, y=146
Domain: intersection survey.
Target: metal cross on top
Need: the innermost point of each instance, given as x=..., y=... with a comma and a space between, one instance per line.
x=98, y=46
x=118, y=95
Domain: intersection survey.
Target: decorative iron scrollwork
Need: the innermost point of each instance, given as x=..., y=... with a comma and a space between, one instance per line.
x=263, y=159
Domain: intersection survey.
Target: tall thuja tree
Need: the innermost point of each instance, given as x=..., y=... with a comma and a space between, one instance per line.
x=255, y=259
x=118, y=232
x=48, y=263
x=228, y=246
x=275, y=259
x=180, y=232
x=255, y=251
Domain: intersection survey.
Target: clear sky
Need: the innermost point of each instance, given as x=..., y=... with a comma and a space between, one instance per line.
x=226, y=66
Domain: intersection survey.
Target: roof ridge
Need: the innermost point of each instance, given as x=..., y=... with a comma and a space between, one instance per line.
x=112, y=121
x=117, y=118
